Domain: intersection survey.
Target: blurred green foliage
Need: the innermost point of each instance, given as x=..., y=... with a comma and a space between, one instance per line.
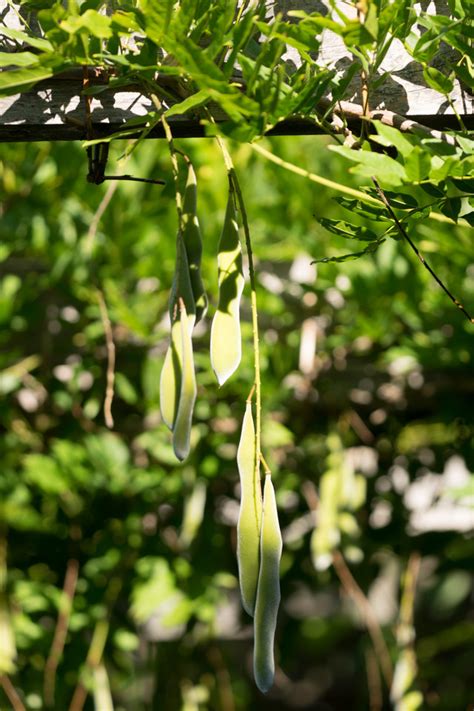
x=367, y=395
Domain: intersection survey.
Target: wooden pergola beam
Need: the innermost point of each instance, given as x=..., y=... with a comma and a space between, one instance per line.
x=56, y=109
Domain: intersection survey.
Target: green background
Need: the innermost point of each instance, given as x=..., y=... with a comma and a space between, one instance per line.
x=392, y=373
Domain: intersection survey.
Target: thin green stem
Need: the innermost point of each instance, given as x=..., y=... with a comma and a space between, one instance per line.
x=253, y=296
x=363, y=197
x=457, y=114
x=173, y=154
x=413, y=246
x=315, y=178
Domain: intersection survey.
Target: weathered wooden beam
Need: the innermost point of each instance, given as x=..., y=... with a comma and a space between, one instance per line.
x=56, y=109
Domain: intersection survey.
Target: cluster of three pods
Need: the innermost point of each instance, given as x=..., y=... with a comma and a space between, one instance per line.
x=188, y=304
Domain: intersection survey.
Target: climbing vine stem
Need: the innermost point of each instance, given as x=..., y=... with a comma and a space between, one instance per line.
x=253, y=294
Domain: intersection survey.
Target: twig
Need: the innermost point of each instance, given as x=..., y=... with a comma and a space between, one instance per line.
x=373, y=681
x=355, y=592
x=98, y=216
x=224, y=685
x=309, y=492
x=11, y=693
x=266, y=468
x=109, y=393
x=62, y=624
x=359, y=427
x=404, y=234
x=250, y=395
x=132, y=178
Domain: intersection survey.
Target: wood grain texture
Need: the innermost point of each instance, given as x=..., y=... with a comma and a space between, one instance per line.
x=56, y=109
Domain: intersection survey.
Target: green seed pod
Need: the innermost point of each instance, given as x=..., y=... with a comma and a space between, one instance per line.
x=187, y=395
x=193, y=243
x=226, y=346
x=250, y=515
x=170, y=380
x=268, y=590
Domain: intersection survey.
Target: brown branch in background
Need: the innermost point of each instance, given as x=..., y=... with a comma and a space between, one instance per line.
x=224, y=685
x=373, y=681
x=11, y=693
x=404, y=234
x=359, y=427
x=310, y=494
x=62, y=624
x=109, y=393
x=355, y=592
x=98, y=216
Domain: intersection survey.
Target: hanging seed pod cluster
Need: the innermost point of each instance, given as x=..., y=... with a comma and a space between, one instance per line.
x=259, y=542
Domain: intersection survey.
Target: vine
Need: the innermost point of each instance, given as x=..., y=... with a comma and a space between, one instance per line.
x=190, y=58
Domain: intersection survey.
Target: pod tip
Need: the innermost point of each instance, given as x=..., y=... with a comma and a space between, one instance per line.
x=180, y=454
x=264, y=682
x=249, y=609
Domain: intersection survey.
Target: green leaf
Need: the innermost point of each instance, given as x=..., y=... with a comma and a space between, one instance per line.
x=25, y=38
x=183, y=107
x=317, y=21
x=370, y=212
x=389, y=136
x=372, y=247
x=465, y=72
x=437, y=80
x=18, y=59
x=11, y=82
x=371, y=164
x=452, y=207
x=43, y=472
x=125, y=389
x=466, y=185
x=417, y=164
x=91, y=21
x=348, y=231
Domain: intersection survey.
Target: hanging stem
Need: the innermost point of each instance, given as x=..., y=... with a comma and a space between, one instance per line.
x=173, y=154
x=253, y=295
x=109, y=339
